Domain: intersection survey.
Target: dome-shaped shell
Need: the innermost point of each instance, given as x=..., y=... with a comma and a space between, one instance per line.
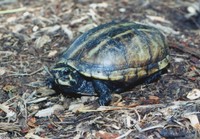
x=118, y=51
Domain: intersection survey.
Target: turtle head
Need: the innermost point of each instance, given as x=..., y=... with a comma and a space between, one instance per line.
x=64, y=75
x=67, y=80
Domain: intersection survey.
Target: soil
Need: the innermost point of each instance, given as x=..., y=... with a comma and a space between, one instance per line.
x=34, y=33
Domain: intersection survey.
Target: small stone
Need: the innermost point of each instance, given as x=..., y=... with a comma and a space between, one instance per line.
x=35, y=28
x=122, y=10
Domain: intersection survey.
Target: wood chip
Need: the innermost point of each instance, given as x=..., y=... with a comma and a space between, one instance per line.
x=41, y=41
x=74, y=107
x=67, y=31
x=194, y=121
x=194, y=94
x=9, y=127
x=52, y=53
x=51, y=30
x=158, y=18
x=87, y=27
x=99, y=5
x=79, y=20
x=49, y=111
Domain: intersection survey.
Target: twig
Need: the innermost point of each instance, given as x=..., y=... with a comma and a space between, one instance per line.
x=26, y=74
x=192, y=51
x=47, y=70
x=152, y=127
x=37, y=100
x=124, y=135
x=113, y=108
x=13, y=10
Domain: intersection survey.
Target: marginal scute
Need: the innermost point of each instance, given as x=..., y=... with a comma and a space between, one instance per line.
x=118, y=51
x=162, y=64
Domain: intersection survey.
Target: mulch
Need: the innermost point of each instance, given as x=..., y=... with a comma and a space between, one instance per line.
x=34, y=33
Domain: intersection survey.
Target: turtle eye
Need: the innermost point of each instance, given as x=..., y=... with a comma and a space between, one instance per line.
x=65, y=72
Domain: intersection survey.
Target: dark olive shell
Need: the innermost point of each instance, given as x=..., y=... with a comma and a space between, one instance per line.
x=118, y=51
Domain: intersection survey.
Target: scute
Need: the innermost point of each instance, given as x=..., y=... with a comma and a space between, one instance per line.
x=118, y=51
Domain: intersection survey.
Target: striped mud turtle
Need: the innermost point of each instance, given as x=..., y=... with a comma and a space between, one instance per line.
x=110, y=58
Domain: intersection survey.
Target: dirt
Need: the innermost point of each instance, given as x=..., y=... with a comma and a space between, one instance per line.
x=34, y=33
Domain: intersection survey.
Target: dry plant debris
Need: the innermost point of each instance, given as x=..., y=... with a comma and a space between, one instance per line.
x=34, y=33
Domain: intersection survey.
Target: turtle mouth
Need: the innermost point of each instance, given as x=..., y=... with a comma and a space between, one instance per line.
x=64, y=83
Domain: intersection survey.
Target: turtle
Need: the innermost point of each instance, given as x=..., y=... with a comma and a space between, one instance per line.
x=110, y=58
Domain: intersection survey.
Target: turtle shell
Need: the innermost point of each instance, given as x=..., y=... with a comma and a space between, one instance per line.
x=118, y=51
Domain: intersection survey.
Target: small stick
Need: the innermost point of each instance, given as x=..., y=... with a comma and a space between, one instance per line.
x=13, y=10
x=124, y=135
x=26, y=74
x=192, y=51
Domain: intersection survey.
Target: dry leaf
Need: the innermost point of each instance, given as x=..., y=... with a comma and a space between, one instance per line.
x=2, y=71
x=49, y=111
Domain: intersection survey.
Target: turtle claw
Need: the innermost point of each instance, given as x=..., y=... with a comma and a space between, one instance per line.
x=105, y=100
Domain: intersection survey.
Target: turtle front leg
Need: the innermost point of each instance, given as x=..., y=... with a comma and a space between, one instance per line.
x=103, y=91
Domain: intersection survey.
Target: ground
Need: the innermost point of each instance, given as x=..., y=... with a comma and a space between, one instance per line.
x=34, y=33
